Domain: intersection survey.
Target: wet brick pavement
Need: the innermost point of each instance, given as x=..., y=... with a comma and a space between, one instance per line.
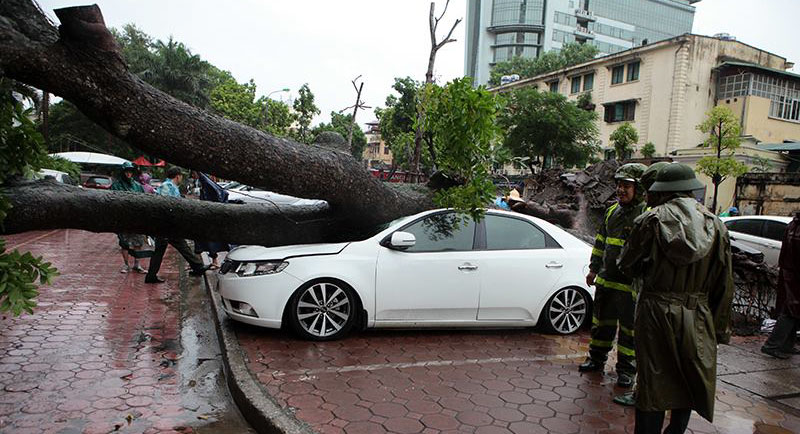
x=510, y=381
x=100, y=352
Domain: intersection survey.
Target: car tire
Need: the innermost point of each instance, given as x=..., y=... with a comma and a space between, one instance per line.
x=567, y=311
x=323, y=310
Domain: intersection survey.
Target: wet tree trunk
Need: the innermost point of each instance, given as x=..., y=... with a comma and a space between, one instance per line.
x=81, y=62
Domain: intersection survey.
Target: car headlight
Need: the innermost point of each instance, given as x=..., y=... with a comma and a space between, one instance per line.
x=260, y=268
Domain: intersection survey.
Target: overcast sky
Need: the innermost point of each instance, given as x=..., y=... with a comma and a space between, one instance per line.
x=283, y=44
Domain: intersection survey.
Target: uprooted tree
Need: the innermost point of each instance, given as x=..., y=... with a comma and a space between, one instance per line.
x=81, y=62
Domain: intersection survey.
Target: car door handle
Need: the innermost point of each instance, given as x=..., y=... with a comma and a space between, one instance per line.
x=553, y=265
x=467, y=267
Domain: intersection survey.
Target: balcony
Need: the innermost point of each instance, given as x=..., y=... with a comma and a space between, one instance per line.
x=583, y=32
x=583, y=14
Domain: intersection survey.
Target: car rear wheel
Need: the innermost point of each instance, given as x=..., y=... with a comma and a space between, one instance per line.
x=323, y=310
x=566, y=311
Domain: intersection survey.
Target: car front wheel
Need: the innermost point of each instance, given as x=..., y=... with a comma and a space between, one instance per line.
x=566, y=311
x=323, y=310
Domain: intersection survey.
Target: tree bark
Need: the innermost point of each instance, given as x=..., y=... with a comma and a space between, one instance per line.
x=81, y=62
x=47, y=204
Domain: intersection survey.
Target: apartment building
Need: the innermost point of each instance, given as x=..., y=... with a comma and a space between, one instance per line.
x=377, y=154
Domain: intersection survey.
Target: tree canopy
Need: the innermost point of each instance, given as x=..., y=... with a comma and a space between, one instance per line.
x=572, y=53
x=623, y=138
x=723, y=130
x=305, y=109
x=545, y=128
x=397, y=120
x=340, y=124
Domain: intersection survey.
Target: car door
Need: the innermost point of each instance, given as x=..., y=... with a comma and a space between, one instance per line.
x=520, y=265
x=436, y=280
x=747, y=232
x=772, y=237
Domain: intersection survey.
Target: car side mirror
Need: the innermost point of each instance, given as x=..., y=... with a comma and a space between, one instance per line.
x=402, y=240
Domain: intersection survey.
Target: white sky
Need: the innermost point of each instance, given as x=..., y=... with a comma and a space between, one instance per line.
x=326, y=44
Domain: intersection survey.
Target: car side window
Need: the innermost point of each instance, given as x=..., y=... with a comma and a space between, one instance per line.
x=774, y=230
x=441, y=233
x=746, y=226
x=507, y=233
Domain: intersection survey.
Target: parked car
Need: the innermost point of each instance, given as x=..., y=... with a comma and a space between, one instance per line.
x=425, y=270
x=248, y=194
x=761, y=232
x=62, y=177
x=98, y=181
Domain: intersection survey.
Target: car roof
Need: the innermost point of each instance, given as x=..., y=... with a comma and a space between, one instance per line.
x=776, y=218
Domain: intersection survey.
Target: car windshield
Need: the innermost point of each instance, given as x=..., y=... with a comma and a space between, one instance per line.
x=100, y=181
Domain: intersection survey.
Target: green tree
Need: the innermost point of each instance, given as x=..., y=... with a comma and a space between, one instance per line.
x=178, y=72
x=306, y=110
x=572, y=54
x=137, y=47
x=55, y=162
x=723, y=130
x=461, y=125
x=279, y=117
x=623, y=139
x=22, y=153
x=649, y=150
x=397, y=120
x=340, y=124
x=546, y=127
x=235, y=101
x=72, y=130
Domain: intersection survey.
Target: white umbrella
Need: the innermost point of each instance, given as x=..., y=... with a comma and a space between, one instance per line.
x=91, y=158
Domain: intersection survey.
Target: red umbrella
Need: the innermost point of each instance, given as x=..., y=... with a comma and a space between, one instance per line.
x=141, y=161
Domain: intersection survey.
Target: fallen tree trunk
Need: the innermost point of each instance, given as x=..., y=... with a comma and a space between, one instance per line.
x=81, y=62
x=48, y=204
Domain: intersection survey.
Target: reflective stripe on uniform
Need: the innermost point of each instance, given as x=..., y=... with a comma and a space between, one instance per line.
x=626, y=351
x=626, y=330
x=613, y=285
x=599, y=343
x=615, y=241
x=597, y=252
x=600, y=238
x=611, y=211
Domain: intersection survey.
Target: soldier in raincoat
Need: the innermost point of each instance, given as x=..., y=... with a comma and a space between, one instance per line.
x=682, y=254
x=781, y=341
x=614, y=300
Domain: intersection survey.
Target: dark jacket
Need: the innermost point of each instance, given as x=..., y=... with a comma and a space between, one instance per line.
x=789, y=278
x=682, y=255
x=608, y=243
x=212, y=192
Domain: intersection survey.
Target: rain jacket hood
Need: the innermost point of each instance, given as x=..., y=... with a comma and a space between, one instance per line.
x=684, y=234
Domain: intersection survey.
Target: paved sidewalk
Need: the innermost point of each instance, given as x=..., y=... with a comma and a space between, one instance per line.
x=104, y=352
x=509, y=381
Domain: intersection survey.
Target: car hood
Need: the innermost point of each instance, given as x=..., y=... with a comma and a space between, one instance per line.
x=259, y=253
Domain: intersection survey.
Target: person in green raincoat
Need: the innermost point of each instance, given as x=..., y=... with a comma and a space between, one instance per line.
x=681, y=253
x=129, y=244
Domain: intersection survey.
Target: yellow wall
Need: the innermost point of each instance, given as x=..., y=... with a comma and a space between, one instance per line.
x=753, y=111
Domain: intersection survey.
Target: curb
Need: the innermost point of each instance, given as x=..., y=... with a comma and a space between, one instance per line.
x=256, y=405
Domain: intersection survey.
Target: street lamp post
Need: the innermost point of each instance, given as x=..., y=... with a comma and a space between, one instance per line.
x=266, y=105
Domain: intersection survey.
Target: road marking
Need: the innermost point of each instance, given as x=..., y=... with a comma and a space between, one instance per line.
x=309, y=374
x=32, y=240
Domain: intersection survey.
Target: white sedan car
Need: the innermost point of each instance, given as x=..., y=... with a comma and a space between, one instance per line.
x=248, y=194
x=761, y=232
x=433, y=269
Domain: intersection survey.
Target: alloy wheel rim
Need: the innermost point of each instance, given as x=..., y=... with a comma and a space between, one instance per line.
x=567, y=311
x=323, y=309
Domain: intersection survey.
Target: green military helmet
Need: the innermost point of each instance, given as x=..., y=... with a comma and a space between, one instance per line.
x=649, y=175
x=676, y=177
x=630, y=172
x=127, y=166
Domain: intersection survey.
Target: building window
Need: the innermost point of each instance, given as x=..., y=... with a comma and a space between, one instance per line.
x=617, y=74
x=553, y=86
x=588, y=82
x=386, y=150
x=784, y=94
x=633, y=71
x=619, y=111
x=575, y=84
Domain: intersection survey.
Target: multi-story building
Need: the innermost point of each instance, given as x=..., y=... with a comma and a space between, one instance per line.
x=377, y=154
x=498, y=30
x=665, y=90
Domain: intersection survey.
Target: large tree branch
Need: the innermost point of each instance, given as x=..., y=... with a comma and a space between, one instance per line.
x=81, y=63
x=49, y=205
